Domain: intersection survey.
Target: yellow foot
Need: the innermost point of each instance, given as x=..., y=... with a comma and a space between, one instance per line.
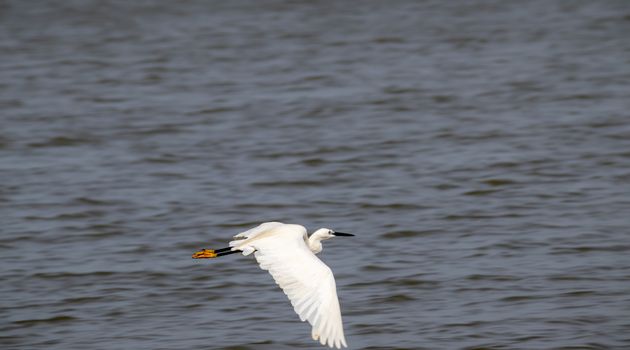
x=205, y=254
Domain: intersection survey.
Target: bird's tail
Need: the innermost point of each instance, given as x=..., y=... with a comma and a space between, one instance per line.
x=209, y=253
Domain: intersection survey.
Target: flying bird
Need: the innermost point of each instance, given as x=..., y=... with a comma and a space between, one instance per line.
x=288, y=253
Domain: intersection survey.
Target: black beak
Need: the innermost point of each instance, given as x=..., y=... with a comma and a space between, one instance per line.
x=343, y=234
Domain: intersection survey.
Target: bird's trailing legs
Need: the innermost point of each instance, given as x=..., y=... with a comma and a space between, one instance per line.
x=209, y=253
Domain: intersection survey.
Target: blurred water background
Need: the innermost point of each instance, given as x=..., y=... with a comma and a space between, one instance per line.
x=479, y=150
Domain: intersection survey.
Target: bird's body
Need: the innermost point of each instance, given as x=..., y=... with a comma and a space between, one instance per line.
x=288, y=253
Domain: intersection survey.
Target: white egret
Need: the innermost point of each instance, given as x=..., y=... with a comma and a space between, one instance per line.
x=288, y=253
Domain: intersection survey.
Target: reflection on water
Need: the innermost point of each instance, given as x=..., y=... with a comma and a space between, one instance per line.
x=479, y=151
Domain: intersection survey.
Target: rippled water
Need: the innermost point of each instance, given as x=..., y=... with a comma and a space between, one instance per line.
x=479, y=150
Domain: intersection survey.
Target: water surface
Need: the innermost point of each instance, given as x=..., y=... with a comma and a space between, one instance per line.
x=480, y=151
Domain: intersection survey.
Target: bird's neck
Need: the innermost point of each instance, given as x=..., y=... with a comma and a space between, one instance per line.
x=314, y=244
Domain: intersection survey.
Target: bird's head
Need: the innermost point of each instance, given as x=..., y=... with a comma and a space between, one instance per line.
x=314, y=241
x=326, y=233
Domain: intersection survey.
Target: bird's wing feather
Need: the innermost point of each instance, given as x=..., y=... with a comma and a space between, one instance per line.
x=253, y=232
x=306, y=280
x=242, y=240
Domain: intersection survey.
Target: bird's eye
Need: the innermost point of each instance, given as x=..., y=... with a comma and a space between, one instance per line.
x=330, y=232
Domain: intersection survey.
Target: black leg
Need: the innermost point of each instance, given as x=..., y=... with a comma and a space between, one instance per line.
x=227, y=253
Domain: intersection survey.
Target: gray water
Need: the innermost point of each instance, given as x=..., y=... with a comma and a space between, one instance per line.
x=479, y=150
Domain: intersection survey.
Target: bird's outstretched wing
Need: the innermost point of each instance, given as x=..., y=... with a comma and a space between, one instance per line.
x=306, y=280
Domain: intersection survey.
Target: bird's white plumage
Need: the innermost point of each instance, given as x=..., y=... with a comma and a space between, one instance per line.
x=264, y=227
x=282, y=250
